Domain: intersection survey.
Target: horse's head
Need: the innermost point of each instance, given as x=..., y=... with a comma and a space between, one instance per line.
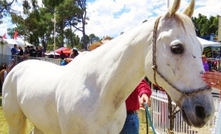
x=178, y=65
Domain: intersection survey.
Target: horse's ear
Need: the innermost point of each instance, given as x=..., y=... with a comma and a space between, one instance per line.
x=190, y=9
x=172, y=9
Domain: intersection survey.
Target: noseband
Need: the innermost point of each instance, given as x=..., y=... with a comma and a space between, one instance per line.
x=183, y=93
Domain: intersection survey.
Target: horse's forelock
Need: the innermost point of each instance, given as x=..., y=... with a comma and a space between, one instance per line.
x=181, y=19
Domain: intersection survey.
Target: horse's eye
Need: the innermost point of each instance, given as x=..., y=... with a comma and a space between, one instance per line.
x=177, y=49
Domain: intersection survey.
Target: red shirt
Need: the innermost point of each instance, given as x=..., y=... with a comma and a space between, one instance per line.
x=132, y=102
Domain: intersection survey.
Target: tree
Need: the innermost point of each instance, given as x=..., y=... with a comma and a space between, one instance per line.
x=205, y=26
x=82, y=18
x=5, y=7
x=93, y=38
x=72, y=40
x=37, y=27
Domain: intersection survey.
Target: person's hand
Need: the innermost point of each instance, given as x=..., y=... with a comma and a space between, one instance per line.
x=213, y=79
x=144, y=98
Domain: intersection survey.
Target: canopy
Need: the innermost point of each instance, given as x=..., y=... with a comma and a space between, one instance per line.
x=64, y=49
x=19, y=42
x=52, y=53
x=206, y=43
x=9, y=43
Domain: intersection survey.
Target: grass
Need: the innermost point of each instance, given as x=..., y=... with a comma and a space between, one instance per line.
x=4, y=126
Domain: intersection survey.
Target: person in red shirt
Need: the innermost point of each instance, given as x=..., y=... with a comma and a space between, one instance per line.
x=140, y=95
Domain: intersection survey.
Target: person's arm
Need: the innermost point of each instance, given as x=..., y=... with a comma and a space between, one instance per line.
x=68, y=60
x=213, y=79
x=144, y=92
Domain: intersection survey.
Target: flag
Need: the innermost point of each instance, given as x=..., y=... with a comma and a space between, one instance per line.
x=4, y=36
x=15, y=35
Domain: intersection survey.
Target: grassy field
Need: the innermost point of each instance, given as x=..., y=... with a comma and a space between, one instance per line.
x=4, y=127
x=3, y=124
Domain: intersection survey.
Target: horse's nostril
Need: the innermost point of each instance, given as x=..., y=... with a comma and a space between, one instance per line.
x=200, y=112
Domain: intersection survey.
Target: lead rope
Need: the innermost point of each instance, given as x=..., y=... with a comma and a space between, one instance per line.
x=148, y=117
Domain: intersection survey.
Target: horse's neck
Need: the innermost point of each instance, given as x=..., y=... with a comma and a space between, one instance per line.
x=119, y=65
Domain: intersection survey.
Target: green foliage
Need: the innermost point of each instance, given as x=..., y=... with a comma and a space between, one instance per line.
x=37, y=26
x=93, y=38
x=5, y=7
x=52, y=3
x=206, y=26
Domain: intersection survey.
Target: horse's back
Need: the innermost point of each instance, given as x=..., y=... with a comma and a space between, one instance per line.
x=29, y=74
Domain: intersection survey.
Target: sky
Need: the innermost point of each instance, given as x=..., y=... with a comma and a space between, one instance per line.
x=111, y=17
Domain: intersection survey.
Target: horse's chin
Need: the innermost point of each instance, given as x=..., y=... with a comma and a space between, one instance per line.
x=185, y=118
x=197, y=124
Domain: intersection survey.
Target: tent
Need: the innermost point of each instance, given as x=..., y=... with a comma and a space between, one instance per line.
x=210, y=49
x=9, y=43
x=206, y=43
x=64, y=49
x=6, y=45
x=52, y=53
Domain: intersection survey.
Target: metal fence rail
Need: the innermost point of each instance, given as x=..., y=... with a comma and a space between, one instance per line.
x=6, y=59
x=217, y=129
x=159, y=107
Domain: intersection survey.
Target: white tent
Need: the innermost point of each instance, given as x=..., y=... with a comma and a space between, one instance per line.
x=9, y=43
x=52, y=53
x=206, y=43
x=5, y=48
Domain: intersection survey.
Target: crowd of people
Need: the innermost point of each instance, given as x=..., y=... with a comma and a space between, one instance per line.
x=211, y=64
x=19, y=54
x=31, y=52
x=211, y=76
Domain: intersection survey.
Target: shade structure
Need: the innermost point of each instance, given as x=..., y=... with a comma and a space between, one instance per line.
x=206, y=43
x=52, y=53
x=64, y=49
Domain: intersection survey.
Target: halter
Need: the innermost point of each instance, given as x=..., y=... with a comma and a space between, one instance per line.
x=183, y=93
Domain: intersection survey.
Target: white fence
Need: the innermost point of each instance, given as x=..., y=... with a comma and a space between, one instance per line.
x=159, y=110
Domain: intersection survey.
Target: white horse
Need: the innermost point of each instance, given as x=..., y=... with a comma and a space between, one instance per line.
x=87, y=96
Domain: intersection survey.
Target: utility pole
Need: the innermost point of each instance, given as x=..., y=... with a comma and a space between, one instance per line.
x=219, y=28
x=54, y=21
